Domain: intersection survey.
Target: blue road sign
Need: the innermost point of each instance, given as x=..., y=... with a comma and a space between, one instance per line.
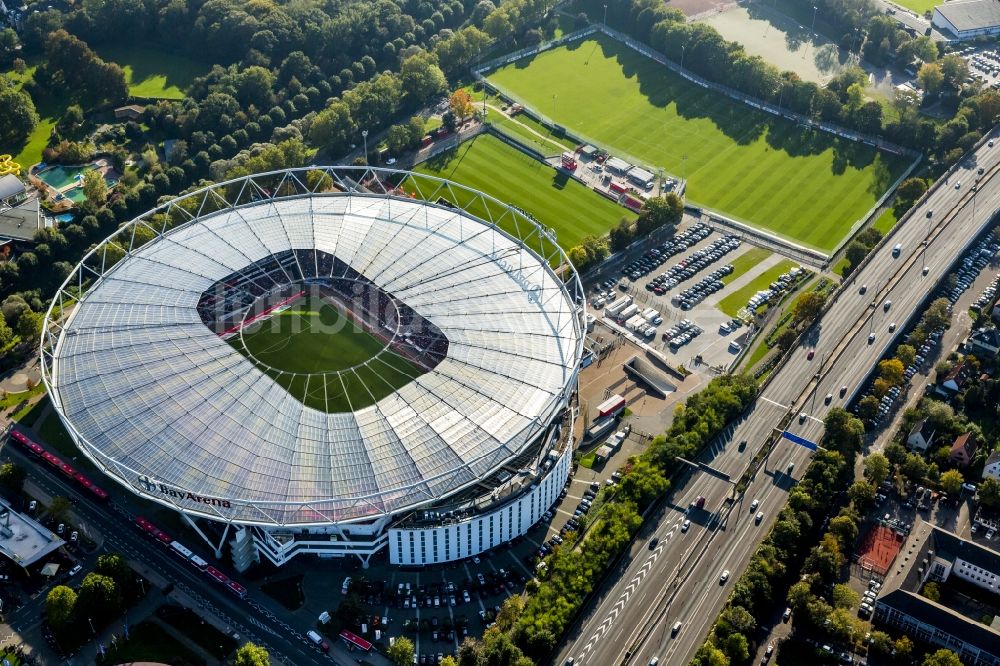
x=801, y=441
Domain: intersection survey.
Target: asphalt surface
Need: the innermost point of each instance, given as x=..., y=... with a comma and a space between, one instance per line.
x=256, y=619
x=630, y=619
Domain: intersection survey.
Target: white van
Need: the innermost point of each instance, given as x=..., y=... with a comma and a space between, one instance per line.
x=676, y=628
x=317, y=640
x=897, y=249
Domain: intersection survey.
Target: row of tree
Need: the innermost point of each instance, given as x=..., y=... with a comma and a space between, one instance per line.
x=102, y=596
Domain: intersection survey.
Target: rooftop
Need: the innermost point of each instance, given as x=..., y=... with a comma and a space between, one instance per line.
x=922, y=428
x=971, y=14
x=23, y=540
x=20, y=222
x=171, y=410
x=10, y=186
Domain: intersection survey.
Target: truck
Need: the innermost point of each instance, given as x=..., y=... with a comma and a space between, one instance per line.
x=628, y=312
x=617, y=306
x=635, y=323
x=650, y=314
x=698, y=503
x=612, y=406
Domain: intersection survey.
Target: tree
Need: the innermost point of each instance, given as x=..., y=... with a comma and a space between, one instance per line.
x=12, y=477
x=12, y=308
x=643, y=483
x=460, y=104
x=891, y=370
x=937, y=315
x=73, y=117
x=29, y=326
x=95, y=188
x=989, y=492
x=99, y=596
x=951, y=482
x=903, y=647
x=251, y=654
x=914, y=467
x=737, y=648
x=845, y=529
x=59, y=508
x=254, y=86
x=19, y=117
x=333, y=128
x=876, y=468
x=843, y=596
x=808, y=306
x=115, y=567
x=906, y=354
x=930, y=77
x=622, y=234
x=398, y=139
x=911, y=189
x=942, y=657
x=786, y=339
x=862, y=493
x=868, y=407
x=659, y=212
x=6, y=333
x=954, y=70
x=422, y=77
x=931, y=591
x=401, y=651
x=59, y=605
x=844, y=432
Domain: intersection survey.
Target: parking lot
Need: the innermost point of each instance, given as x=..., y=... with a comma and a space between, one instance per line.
x=669, y=296
x=984, y=65
x=438, y=606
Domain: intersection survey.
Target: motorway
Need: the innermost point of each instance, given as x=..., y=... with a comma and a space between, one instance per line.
x=630, y=618
x=257, y=620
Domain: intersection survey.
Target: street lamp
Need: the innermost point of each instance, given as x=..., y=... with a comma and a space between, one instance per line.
x=605, y=17
x=813, y=29
x=682, y=56
x=364, y=135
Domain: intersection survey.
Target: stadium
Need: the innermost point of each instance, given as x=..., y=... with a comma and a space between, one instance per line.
x=336, y=361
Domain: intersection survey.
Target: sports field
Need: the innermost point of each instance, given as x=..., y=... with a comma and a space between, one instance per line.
x=919, y=6
x=557, y=201
x=807, y=186
x=324, y=359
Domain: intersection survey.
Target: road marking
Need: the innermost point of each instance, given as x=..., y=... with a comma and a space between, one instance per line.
x=627, y=593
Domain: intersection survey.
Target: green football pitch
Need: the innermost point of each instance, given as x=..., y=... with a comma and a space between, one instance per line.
x=805, y=185
x=487, y=164
x=322, y=358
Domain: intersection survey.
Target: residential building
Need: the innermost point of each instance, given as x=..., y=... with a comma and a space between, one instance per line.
x=932, y=554
x=984, y=343
x=954, y=381
x=963, y=450
x=991, y=470
x=921, y=436
x=129, y=112
x=967, y=19
x=21, y=222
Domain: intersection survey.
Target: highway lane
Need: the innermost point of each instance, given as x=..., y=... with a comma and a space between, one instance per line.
x=843, y=356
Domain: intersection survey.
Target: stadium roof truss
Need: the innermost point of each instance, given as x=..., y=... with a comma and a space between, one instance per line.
x=139, y=380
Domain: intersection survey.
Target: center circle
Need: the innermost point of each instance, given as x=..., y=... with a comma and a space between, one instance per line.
x=316, y=328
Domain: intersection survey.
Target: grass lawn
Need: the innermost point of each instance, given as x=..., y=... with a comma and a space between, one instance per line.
x=312, y=337
x=886, y=221
x=154, y=73
x=919, y=6
x=526, y=130
x=745, y=262
x=807, y=186
x=149, y=642
x=588, y=460
x=11, y=399
x=487, y=164
x=732, y=303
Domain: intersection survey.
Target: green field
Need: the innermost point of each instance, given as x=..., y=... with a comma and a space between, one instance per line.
x=487, y=164
x=154, y=73
x=919, y=6
x=732, y=303
x=745, y=262
x=531, y=133
x=317, y=354
x=807, y=186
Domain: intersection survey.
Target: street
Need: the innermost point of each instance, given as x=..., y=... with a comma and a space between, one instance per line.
x=794, y=398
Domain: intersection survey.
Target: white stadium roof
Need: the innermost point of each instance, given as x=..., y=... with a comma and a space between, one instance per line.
x=167, y=407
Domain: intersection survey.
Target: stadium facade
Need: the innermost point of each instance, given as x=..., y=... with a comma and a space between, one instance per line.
x=467, y=452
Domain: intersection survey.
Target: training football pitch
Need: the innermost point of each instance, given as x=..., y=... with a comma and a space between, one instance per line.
x=807, y=186
x=323, y=358
x=487, y=164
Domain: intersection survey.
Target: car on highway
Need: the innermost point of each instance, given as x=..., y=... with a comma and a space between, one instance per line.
x=754, y=504
x=892, y=327
x=871, y=338
x=653, y=542
x=926, y=270
x=685, y=525
x=802, y=417
x=843, y=390
x=724, y=577
x=863, y=289
x=809, y=356
x=828, y=399
x=958, y=185
x=675, y=628
x=897, y=249
x=887, y=305
x=787, y=615
x=759, y=517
